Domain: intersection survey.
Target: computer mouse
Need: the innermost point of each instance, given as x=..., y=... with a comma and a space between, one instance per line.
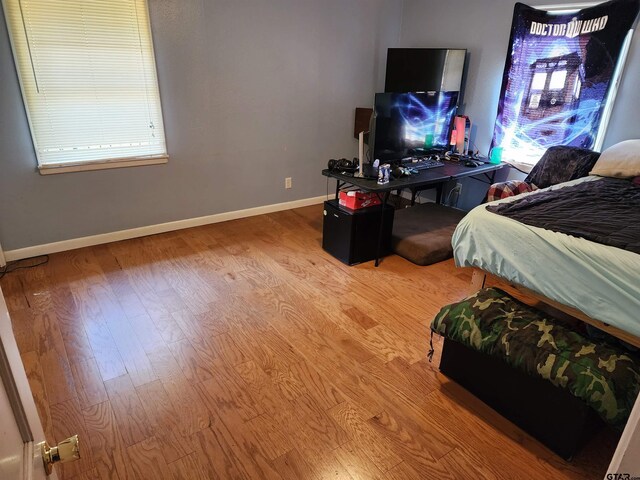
x=470, y=163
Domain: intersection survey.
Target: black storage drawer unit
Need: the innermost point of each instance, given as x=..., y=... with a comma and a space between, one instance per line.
x=352, y=235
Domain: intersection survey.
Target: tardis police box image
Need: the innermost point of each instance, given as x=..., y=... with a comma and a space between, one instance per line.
x=553, y=97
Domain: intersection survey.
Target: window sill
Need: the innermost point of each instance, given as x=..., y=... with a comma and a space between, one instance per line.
x=101, y=165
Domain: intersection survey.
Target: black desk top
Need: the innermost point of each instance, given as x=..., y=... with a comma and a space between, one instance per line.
x=450, y=171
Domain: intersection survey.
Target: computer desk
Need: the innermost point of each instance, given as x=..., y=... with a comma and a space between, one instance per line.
x=430, y=178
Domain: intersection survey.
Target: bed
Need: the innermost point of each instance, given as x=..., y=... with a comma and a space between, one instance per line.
x=596, y=283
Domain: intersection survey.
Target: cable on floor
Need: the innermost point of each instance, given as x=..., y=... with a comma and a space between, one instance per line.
x=22, y=264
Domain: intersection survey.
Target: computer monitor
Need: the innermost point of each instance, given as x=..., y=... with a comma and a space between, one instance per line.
x=411, y=124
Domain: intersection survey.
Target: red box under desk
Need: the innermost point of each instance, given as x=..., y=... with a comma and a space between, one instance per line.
x=356, y=199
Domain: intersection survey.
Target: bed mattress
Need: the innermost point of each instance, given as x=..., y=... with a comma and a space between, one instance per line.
x=601, y=281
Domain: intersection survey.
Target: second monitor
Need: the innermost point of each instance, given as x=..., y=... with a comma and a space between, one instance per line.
x=411, y=124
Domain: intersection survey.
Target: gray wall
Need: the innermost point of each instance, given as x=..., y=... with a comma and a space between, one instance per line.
x=253, y=91
x=483, y=27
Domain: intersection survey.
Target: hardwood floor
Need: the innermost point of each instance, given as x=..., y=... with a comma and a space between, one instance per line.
x=243, y=350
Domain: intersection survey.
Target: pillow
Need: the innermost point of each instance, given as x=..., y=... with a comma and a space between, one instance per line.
x=561, y=164
x=621, y=160
x=501, y=190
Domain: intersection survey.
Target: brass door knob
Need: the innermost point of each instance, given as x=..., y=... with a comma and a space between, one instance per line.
x=66, y=451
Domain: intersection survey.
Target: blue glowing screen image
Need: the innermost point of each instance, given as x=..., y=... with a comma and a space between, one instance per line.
x=408, y=124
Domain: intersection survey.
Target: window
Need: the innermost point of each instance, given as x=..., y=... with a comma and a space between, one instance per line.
x=539, y=80
x=89, y=84
x=558, y=80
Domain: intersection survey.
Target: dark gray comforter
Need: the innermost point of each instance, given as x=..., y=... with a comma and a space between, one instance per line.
x=605, y=211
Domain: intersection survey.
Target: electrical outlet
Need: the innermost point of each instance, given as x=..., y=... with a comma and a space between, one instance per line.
x=287, y=182
x=459, y=189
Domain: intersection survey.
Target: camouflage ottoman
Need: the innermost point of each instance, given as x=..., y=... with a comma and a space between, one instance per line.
x=545, y=377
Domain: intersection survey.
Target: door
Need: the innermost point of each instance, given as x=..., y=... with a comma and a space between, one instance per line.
x=626, y=459
x=21, y=433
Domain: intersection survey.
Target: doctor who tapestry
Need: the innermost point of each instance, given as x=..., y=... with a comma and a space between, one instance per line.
x=558, y=77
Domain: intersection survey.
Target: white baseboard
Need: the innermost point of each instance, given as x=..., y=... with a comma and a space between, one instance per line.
x=3, y=261
x=74, y=243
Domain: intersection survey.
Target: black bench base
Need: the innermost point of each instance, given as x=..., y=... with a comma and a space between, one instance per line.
x=556, y=418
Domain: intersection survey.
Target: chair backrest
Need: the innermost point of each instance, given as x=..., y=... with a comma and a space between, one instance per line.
x=561, y=164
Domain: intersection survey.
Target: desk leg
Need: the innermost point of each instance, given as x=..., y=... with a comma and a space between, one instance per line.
x=492, y=180
x=385, y=198
x=414, y=192
x=338, y=186
x=439, y=188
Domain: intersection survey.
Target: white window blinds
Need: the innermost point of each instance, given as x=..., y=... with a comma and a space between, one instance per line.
x=88, y=79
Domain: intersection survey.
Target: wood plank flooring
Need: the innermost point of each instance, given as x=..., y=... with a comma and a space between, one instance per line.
x=243, y=350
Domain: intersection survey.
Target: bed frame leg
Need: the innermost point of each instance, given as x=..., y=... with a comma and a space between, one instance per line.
x=478, y=279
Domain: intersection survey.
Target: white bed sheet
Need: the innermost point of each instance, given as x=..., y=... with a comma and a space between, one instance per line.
x=599, y=280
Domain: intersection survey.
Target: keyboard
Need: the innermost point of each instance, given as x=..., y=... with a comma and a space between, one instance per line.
x=423, y=163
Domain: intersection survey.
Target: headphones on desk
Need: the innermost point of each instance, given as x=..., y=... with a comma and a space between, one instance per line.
x=343, y=164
